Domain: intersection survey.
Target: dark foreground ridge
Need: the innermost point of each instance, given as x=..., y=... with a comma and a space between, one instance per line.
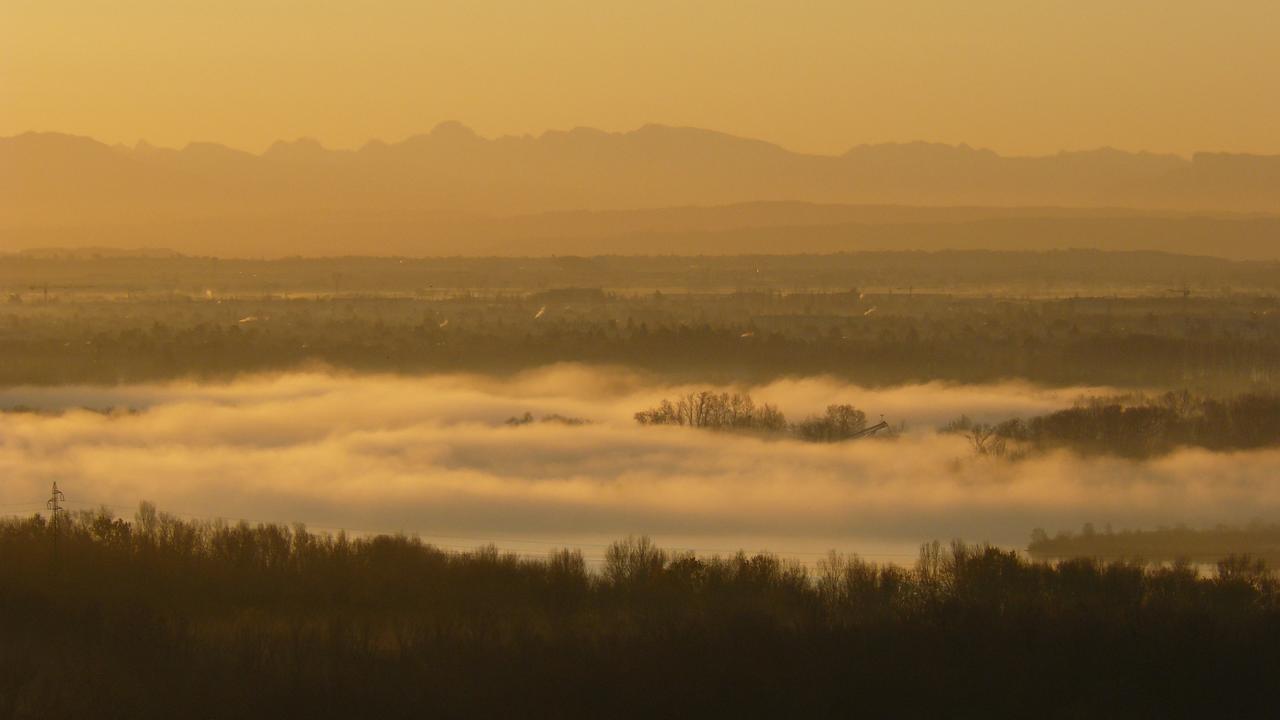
x=169, y=618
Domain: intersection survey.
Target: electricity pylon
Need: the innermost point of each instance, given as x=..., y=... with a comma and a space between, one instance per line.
x=54, y=505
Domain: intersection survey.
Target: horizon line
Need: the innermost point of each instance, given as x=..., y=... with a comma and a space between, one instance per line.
x=461, y=130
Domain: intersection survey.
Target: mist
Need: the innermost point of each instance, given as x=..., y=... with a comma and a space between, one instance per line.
x=433, y=456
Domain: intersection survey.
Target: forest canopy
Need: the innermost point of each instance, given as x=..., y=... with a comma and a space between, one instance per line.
x=240, y=619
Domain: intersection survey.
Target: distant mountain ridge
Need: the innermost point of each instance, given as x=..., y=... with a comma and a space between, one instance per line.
x=73, y=190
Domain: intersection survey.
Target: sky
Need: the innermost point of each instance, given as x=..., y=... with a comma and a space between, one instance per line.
x=1017, y=76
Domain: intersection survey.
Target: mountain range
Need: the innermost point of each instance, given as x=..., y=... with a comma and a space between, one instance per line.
x=451, y=191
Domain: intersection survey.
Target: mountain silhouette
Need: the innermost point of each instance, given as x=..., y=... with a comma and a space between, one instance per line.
x=430, y=192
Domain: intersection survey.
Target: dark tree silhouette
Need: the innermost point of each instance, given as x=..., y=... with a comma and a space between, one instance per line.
x=162, y=617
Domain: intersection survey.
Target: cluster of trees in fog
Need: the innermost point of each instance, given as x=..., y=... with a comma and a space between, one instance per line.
x=1135, y=426
x=162, y=616
x=738, y=412
x=708, y=410
x=554, y=418
x=1259, y=540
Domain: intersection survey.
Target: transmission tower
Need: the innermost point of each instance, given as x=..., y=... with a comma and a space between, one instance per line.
x=54, y=504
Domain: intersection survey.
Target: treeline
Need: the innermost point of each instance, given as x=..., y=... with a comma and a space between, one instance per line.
x=738, y=412
x=169, y=618
x=1222, y=345
x=1204, y=546
x=73, y=273
x=1135, y=426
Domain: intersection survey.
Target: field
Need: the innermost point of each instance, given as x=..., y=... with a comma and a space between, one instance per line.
x=1128, y=320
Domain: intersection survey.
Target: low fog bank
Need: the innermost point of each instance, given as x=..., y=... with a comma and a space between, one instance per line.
x=433, y=456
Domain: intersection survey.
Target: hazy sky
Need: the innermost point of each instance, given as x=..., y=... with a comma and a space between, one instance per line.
x=1020, y=76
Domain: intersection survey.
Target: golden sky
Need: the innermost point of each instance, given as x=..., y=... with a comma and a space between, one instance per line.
x=1019, y=76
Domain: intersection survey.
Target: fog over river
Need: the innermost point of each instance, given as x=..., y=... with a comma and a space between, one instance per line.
x=433, y=456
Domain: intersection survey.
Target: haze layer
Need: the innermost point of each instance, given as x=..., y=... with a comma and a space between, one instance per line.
x=433, y=455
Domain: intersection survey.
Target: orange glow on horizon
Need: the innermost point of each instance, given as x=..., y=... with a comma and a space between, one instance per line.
x=817, y=76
